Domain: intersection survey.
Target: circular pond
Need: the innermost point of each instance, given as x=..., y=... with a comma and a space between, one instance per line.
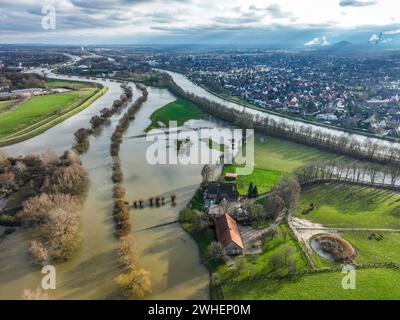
x=333, y=248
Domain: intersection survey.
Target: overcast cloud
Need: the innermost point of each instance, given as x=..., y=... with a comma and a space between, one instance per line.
x=147, y=20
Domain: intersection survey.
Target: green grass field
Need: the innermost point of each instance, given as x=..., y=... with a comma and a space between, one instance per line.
x=264, y=179
x=371, y=250
x=275, y=158
x=239, y=287
x=371, y=284
x=340, y=205
x=39, y=108
x=53, y=83
x=179, y=110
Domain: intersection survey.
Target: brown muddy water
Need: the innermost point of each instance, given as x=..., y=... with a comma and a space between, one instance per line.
x=167, y=252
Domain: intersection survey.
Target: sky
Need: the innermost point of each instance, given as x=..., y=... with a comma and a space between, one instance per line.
x=305, y=23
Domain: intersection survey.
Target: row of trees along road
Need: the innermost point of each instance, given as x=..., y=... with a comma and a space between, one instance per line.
x=358, y=173
x=368, y=149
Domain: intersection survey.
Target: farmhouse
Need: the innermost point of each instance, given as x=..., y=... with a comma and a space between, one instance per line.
x=228, y=235
x=217, y=191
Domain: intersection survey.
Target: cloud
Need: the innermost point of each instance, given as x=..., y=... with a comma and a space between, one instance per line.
x=148, y=18
x=392, y=32
x=357, y=3
x=320, y=42
x=276, y=12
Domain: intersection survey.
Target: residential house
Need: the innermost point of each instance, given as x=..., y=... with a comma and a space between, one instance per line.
x=217, y=191
x=228, y=235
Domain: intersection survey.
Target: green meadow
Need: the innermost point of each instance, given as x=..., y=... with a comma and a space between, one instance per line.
x=179, y=110
x=39, y=108
x=371, y=284
x=374, y=246
x=274, y=158
x=349, y=206
x=53, y=83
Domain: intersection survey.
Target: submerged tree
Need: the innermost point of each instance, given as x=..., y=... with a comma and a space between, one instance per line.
x=135, y=282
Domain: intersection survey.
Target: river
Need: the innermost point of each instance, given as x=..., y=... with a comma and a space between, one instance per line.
x=167, y=252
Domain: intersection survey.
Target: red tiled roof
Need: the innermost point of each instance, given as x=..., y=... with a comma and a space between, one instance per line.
x=227, y=231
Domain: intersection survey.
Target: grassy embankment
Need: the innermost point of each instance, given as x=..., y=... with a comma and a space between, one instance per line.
x=5, y=105
x=40, y=113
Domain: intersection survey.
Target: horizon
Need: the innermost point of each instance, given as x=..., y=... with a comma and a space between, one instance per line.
x=284, y=24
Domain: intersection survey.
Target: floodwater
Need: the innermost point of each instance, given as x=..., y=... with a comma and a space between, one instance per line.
x=167, y=252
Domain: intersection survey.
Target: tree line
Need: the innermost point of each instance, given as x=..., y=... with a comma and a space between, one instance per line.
x=368, y=149
x=121, y=205
x=133, y=280
x=359, y=173
x=82, y=135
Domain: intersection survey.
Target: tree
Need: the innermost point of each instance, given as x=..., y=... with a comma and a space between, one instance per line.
x=256, y=212
x=135, y=282
x=38, y=252
x=199, y=221
x=255, y=192
x=274, y=205
x=36, y=210
x=81, y=135
x=61, y=233
x=288, y=189
x=69, y=180
x=7, y=180
x=216, y=251
x=128, y=252
x=251, y=190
